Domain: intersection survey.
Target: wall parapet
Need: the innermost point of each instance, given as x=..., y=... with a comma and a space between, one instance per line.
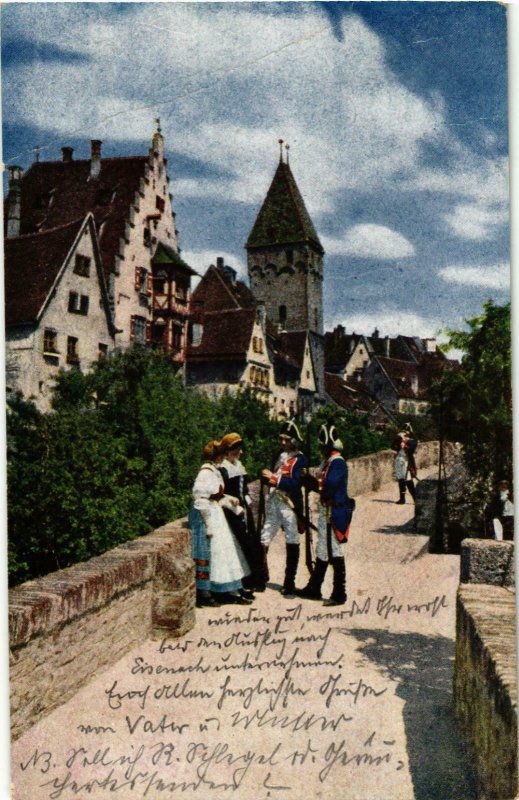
x=66, y=626
x=485, y=679
x=70, y=624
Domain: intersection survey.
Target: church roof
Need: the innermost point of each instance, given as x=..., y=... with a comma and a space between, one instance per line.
x=283, y=218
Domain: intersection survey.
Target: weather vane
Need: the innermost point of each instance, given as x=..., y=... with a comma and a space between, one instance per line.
x=280, y=150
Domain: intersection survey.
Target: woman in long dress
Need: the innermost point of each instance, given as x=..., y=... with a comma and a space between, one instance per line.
x=242, y=525
x=220, y=566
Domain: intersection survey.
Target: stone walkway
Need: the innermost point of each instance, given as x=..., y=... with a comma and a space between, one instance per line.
x=283, y=699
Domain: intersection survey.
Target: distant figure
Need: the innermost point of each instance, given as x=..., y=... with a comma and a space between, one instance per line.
x=220, y=565
x=335, y=512
x=499, y=514
x=284, y=504
x=236, y=484
x=405, y=446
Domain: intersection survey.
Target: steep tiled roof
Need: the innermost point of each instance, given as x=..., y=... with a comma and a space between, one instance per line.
x=412, y=380
x=338, y=349
x=56, y=192
x=217, y=292
x=401, y=375
x=351, y=395
x=31, y=265
x=292, y=344
x=283, y=218
x=225, y=335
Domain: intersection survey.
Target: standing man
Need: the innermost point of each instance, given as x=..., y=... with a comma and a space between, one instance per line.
x=284, y=504
x=335, y=512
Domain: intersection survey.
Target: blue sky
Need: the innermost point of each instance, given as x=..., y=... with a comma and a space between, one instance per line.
x=396, y=114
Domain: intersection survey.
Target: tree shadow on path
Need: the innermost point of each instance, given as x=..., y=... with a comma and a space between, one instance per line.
x=422, y=667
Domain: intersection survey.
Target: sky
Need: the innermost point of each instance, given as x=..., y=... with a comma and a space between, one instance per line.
x=396, y=116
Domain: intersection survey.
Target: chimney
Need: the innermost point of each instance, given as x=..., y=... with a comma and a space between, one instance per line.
x=220, y=263
x=430, y=345
x=14, y=202
x=95, y=158
x=67, y=154
x=375, y=333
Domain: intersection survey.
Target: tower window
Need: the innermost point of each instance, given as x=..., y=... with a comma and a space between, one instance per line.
x=316, y=317
x=289, y=255
x=282, y=314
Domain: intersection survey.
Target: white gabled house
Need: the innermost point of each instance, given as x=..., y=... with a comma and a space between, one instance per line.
x=57, y=308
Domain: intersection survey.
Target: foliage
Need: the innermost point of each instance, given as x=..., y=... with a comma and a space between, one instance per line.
x=474, y=404
x=356, y=436
x=115, y=458
x=118, y=454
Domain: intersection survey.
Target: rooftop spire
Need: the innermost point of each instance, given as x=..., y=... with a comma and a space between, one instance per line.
x=280, y=150
x=287, y=148
x=157, y=123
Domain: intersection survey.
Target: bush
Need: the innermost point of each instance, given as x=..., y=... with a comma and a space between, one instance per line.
x=118, y=454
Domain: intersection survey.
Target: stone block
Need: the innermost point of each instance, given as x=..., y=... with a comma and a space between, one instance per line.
x=487, y=561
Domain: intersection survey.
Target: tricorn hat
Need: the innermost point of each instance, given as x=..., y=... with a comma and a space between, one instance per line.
x=291, y=430
x=329, y=437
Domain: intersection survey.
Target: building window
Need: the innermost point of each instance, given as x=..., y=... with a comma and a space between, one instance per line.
x=50, y=341
x=289, y=255
x=316, y=318
x=307, y=373
x=159, y=285
x=255, y=344
x=138, y=330
x=78, y=304
x=82, y=266
x=282, y=314
x=196, y=334
x=252, y=374
x=176, y=335
x=160, y=204
x=72, y=350
x=180, y=292
x=102, y=351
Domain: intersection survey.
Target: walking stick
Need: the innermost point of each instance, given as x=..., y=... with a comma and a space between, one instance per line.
x=308, y=532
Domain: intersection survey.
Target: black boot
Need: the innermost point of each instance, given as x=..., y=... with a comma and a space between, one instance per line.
x=338, y=597
x=263, y=571
x=289, y=585
x=401, y=486
x=412, y=491
x=312, y=590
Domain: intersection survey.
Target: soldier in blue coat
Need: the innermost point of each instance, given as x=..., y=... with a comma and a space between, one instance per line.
x=335, y=512
x=284, y=503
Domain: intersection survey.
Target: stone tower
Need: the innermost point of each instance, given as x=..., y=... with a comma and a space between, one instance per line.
x=285, y=257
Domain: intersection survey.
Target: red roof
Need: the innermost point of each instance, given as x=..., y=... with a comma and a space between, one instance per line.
x=31, y=265
x=217, y=292
x=225, y=335
x=56, y=192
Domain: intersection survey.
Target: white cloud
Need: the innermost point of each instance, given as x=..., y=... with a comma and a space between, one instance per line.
x=391, y=322
x=370, y=241
x=488, y=277
x=476, y=222
x=228, y=81
x=200, y=260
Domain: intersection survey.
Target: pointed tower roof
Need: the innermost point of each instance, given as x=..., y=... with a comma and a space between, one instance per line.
x=283, y=218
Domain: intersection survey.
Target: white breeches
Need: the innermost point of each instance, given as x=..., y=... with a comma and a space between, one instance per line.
x=321, y=551
x=279, y=514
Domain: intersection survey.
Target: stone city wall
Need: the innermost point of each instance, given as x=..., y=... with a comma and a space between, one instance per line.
x=70, y=624
x=67, y=626
x=485, y=683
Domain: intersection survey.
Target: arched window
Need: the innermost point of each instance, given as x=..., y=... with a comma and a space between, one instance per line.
x=282, y=314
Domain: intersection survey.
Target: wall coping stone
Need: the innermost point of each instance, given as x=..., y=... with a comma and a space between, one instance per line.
x=486, y=561
x=37, y=607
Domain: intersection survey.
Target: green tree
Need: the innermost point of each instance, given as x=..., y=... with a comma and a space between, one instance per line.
x=474, y=404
